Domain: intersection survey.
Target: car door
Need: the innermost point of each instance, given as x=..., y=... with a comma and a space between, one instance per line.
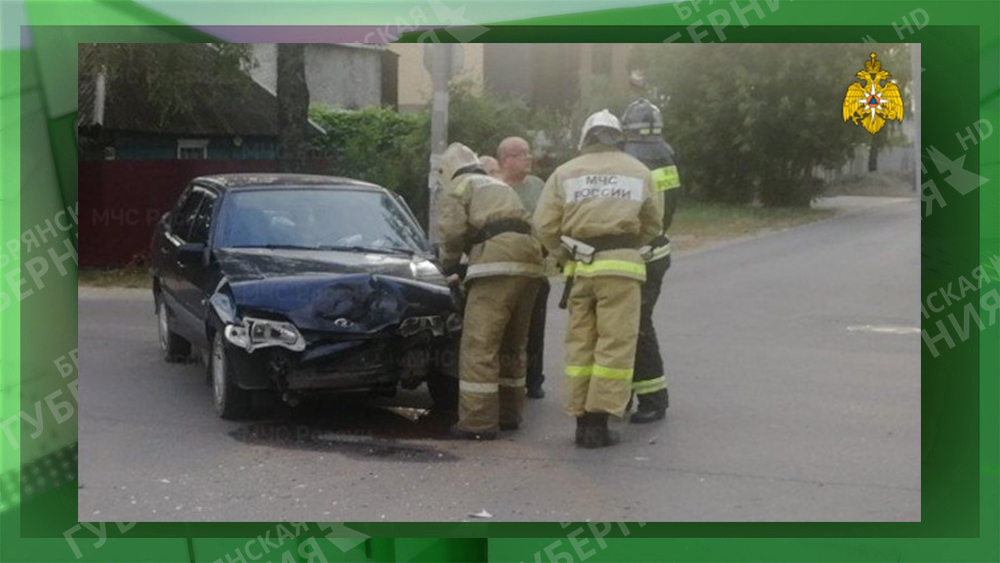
x=196, y=277
x=176, y=234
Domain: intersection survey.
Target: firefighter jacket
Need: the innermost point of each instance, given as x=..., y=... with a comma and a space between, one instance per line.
x=483, y=217
x=602, y=193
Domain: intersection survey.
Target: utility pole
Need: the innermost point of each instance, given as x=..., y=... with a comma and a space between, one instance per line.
x=443, y=60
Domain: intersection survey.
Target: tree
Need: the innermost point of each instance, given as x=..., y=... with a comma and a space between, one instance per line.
x=167, y=72
x=293, y=107
x=752, y=121
x=896, y=59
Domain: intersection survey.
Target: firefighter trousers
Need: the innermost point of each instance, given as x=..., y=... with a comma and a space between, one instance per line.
x=536, y=337
x=600, y=344
x=650, y=380
x=492, y=358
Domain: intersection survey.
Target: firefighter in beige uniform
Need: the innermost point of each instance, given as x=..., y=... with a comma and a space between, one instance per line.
x=594, y=213
x=483, y=217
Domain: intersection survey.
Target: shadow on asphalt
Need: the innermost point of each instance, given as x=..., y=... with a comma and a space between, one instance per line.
x=355, y=426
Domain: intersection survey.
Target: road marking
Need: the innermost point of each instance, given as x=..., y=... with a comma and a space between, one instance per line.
x=884, y=329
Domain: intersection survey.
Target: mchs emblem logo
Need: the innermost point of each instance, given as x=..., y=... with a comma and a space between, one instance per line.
x=873, y=100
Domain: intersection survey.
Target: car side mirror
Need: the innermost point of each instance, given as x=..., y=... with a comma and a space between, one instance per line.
x=191, y=254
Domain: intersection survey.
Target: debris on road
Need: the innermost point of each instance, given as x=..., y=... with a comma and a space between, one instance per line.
x=653, y=439
x=165, y=481
x=409, y=413
x=481, y=514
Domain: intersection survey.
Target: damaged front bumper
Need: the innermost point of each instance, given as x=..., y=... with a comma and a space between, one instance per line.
x=350, y=332
x=326, y=363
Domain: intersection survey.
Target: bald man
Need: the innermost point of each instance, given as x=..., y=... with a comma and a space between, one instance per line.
x=490, y=165
x=514, y=156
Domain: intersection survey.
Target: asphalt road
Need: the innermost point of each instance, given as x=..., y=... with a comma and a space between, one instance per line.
x=782, y=409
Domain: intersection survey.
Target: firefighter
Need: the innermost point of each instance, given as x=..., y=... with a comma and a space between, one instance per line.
x=482, y=217
x=594, y=213
x=643, y=127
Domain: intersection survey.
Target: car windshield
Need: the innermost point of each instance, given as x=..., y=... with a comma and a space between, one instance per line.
x=317, y=219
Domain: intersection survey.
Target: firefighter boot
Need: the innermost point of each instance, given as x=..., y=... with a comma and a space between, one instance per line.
x=582, y=423
x=597, y=434
x=652, y=407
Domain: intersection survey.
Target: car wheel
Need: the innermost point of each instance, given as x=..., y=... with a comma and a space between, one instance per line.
x=231, y=402
x=175, y=348
x=444, y=391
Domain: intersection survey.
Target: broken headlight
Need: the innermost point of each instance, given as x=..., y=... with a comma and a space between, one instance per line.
x=261, y=333
x=415, y=325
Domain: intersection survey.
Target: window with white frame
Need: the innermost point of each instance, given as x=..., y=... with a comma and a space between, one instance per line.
x=188, y=149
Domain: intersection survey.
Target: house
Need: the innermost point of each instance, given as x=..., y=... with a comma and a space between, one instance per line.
x=415, y=85
x=342, y=75
x=553, y=75
x=121, y=119
x=549, y=75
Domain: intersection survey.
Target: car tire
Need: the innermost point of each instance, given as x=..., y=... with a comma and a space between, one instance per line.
x=444, y=391
x=231, y=402
x=175, y=348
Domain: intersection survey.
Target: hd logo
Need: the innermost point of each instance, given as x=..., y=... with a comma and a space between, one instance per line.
x=602, y=186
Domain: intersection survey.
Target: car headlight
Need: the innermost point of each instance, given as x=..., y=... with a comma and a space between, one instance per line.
x=415, y=325
x=261, y=333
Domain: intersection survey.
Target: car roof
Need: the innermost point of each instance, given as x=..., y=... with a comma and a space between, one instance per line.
x=272, y=180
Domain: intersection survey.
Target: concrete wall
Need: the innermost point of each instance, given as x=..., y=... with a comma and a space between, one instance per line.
x=553, y=74
x=337, y=75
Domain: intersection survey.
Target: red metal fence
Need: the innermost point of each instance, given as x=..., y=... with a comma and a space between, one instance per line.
x=121, y=201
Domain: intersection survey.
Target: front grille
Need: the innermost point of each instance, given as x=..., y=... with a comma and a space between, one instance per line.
x=367, y=358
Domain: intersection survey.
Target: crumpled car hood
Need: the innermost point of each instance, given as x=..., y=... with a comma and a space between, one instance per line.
x=355, y=294
x=250, y=264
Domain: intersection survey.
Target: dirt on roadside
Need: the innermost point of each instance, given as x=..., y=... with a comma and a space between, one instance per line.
x=880, y=184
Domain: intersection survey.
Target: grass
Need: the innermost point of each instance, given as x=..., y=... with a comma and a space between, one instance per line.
x=128, y=276
x=698, y=223
x=694, y=224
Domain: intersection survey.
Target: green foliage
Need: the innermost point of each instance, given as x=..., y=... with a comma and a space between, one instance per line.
x=169, y=71
x=380, y=146
x=751, y=122
x=481, y=121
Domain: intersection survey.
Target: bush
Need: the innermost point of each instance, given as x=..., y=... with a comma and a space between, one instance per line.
x=379, y=146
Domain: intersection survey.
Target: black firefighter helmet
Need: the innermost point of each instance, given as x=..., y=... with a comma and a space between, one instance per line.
x=643, y=126
x=642, y=121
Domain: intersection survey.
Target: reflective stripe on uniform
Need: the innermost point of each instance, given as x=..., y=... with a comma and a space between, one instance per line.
x=660, y=252
x=504, y=269
x=471, y=387
x=666, y=178
x=608, y=268
x=649, y=385
x=520, y=382
x=598, y=371
x=612, y=373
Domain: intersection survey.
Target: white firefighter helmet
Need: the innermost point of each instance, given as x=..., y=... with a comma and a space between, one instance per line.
x=602, y=119
x=456, y=157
